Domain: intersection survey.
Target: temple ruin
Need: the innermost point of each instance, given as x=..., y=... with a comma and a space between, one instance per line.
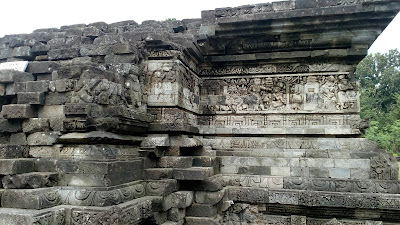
x=248, y=115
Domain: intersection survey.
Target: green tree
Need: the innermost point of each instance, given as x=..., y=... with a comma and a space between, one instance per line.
x=379, y=77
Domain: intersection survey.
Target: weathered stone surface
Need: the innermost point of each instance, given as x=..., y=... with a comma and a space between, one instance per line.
x=175, y=162
x=43, y=138
x=182, y=199
x=9, y=76
x=193, y=173
x=30, y=180
x=9, y=126
x=158, y=173
x=13, y=151
x=201, y=210
x=33, y=125
x=208, y=197
x=19, y=111
x=32, y=98
x=16, y=166
x=264, y=94
x=41, y=67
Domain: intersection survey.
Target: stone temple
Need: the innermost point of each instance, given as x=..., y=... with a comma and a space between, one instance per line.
x=246, y=116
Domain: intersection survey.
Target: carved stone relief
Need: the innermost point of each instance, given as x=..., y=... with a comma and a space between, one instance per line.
x=332, y=93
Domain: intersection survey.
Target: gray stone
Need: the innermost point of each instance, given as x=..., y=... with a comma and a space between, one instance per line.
x=19, y=111
x=201, y=210
x=32, y=98
x=175, y=162
x=22, y=52
x=43, y=138
x=16, y=166
x=30, y=180
x=193, y=173
x=209, y=197
x=9, y=126
x=33, y=125
x=13, y=151
x=37, y=86
x=41, y=67
x=18, y=139
x=182, y=199
x=176, y=214
x=64, y=53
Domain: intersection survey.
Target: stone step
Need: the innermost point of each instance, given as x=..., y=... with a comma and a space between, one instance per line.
x=175, y=162
x=193, y=173
x=30, y=180
x=16, y=166
x=158, y=173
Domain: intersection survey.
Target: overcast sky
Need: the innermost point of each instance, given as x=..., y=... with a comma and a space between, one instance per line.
x=24, y=16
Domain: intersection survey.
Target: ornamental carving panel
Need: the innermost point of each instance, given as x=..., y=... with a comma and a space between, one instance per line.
x=282, y=94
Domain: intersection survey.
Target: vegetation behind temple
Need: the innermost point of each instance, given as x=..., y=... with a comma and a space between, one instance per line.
x=379, y=77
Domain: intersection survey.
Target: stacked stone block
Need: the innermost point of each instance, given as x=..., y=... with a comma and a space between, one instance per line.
x=248, y=115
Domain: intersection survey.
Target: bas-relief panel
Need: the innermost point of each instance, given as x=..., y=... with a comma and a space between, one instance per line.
x=170, y=83
x=335, y=93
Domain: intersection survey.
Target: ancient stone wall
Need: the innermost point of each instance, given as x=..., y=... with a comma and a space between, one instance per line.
x=248, y=115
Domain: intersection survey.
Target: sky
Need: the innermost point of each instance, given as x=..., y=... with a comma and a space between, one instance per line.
x=24, y=16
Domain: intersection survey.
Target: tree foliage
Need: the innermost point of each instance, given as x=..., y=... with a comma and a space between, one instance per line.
x=379, y=77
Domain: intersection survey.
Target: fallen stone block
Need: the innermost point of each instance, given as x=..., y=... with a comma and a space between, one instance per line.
x=19, y=111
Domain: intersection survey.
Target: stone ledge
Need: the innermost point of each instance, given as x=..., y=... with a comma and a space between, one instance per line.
x=316, y=198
